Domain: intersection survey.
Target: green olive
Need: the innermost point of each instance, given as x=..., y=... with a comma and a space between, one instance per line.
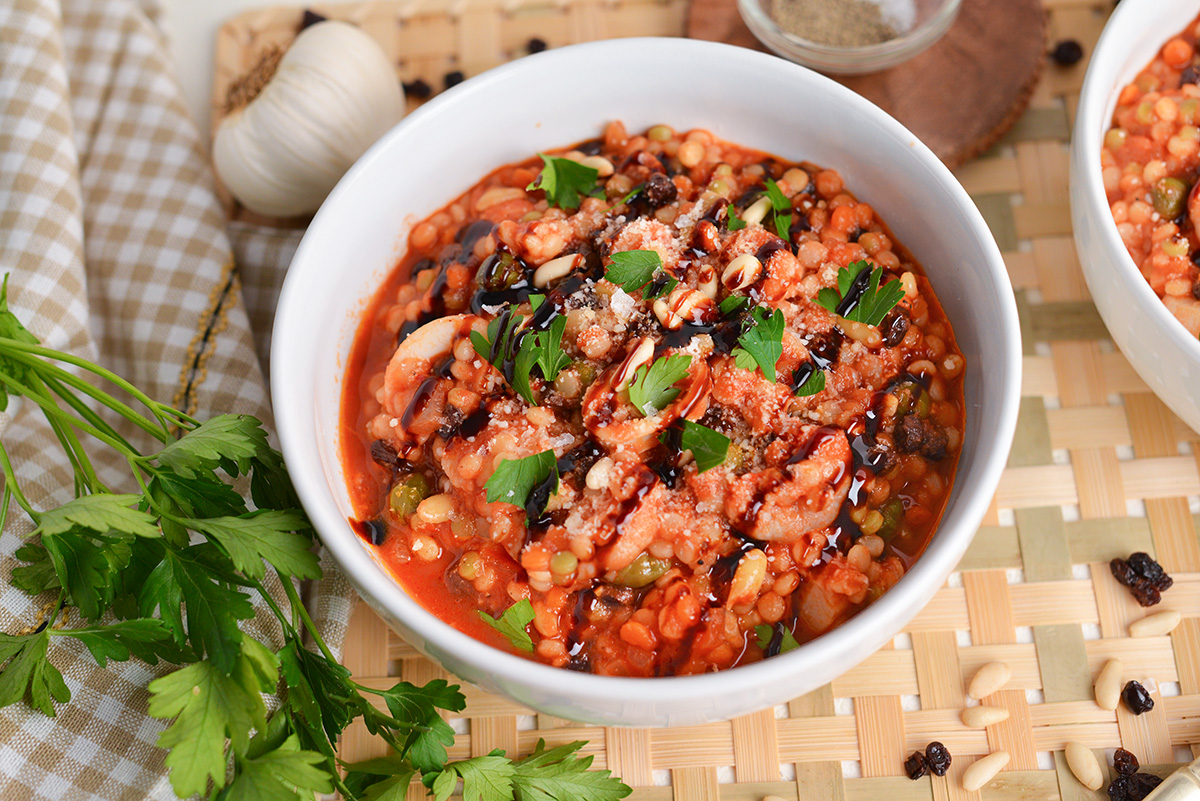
x=1169, y=196
x=893, y=515
x=912, y=398
x=405, y=496
x=642, y=571
x=500, y=271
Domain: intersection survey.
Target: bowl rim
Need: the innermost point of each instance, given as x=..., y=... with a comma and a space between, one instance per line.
x=1111, y=58
x=899, y=605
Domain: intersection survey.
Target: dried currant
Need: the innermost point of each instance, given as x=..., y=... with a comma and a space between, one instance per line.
x=1191, y=74
x=1119, y=789
x=1137, y=698
x=916, y=766
x=660, y=190
x=938, y=757
x=1124, y=762
x=1141, y=785
x=1144, y=577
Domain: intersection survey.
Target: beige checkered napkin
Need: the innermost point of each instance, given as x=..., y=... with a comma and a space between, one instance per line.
x=117, y=251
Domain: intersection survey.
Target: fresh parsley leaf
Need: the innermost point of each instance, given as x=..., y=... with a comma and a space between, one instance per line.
x=226, y=439
x=811, y=385
x=319, y=692
x=116, y=640
x=285, y=774
x=764, y=634
x=268, y=535
x=707, y=446
x=544, y=349
x=502, y=349
x=202, y=495
x=633, y=269
x=29, y=673
x=733, y=222
x=100, y=513
x=763, y=340
x=381, y=779
x=512, y=624
x=515, y=479
x=744, y=359
x=663, y=284
x=558, y=774
x=37, y=575
x=426, y=745
x=782, y=208
x=733, y=304
x=209, y=706
x=11, y=328
x=485, y=778
x=564, y=181
x=652, y=389
x=536, y=301
x=859, y=296
x=88, y=566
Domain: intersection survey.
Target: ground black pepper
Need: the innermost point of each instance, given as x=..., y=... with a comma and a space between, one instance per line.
x=841, y=23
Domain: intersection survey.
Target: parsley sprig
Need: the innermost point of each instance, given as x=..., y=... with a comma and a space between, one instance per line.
x=708, y=447
x=166, y=573
x=859, y=296
x=515, y=352
x=633, y=269
x=512, y=624
x=781, y=208
x=527, y=482
x=565, y=182
x=652, y=389
x=761, y=344
x=774, y=640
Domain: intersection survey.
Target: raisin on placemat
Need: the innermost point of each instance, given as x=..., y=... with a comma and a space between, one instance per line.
x=1144, y=577
x=1137, y=698
x=916, y=766
x=1141, y=785
x=1124, y=762
x=938, y=757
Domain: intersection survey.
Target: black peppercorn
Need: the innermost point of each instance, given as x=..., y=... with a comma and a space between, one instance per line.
x=418, y=89
x=535, y=45
x=916, y=766
x=938, y=757
x=454, y=78
x=1067, y=52
x=1137, y=698
x=311, y=18
x=1124, y=762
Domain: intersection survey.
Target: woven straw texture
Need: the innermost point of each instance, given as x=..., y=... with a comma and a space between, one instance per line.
x=1100, y=468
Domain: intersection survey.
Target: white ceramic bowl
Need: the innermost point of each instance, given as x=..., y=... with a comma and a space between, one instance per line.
x=1156, y=344
x=564, y=96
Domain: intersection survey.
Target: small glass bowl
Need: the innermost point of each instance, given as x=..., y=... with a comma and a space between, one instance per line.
x=931, y=19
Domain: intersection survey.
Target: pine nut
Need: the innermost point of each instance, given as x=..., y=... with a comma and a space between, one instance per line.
x=601, y=165
x=982, y=771
x=980, y=717
x=600, y=475
x=495, y=195
x=642, y=354
x=751, y=570
x=669, y=319
x=990, y=678
x=555, y=268
x=708, y=281
x=757, y=211
x=1155, y=625
x=741, y=272
x=1108, y=685
x=1084, y=765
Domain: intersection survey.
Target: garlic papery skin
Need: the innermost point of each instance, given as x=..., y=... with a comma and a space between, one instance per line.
x=332, y=96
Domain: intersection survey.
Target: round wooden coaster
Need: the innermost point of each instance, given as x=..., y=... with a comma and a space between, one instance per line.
x=960, y=95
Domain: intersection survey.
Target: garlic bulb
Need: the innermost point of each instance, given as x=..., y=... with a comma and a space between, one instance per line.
x=333, y=94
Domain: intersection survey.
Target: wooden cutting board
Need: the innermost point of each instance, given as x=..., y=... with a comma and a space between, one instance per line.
x=960, y=95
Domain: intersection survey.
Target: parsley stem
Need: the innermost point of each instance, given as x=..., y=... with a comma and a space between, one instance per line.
x=10, y=483
x=50, y=354
x=270, y=601
x=298, y=605
x=55, y=373
x=53, y=411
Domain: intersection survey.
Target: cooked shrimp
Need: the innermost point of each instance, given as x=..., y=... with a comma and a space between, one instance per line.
x=783, y=504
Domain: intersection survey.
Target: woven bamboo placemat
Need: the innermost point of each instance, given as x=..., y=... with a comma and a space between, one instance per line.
x=1099, y=468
